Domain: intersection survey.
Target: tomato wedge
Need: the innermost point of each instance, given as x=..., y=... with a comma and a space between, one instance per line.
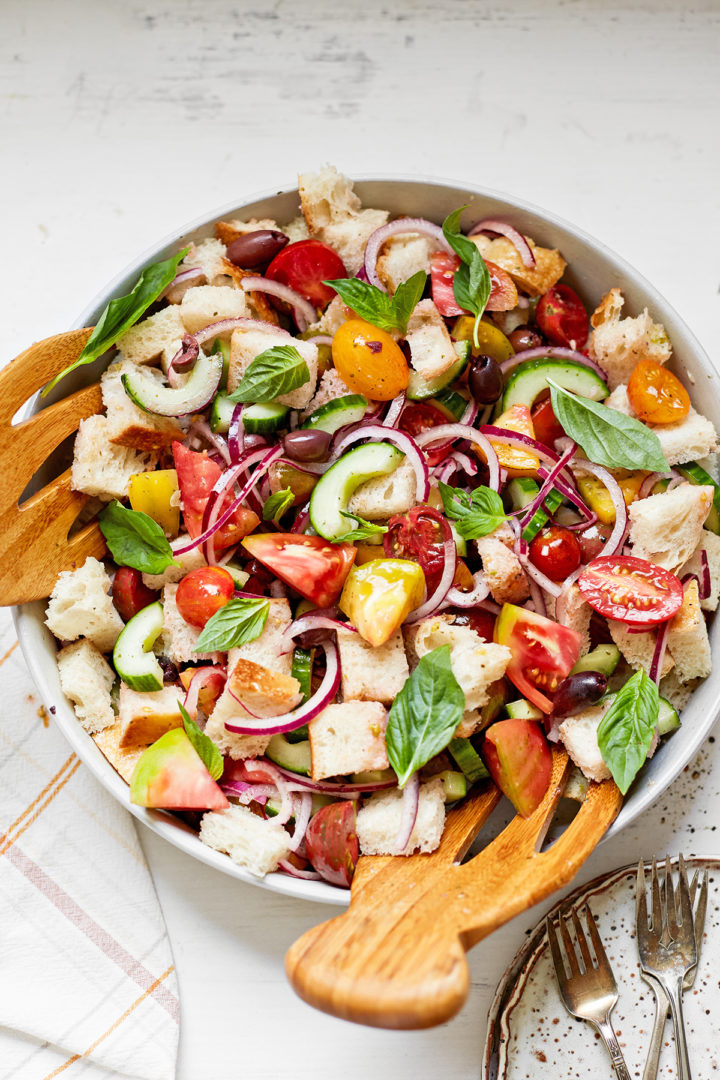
x=562, y=317
x=631, y=590
x=503, y=292
x=518, y=758
x=197, y=475
x=418, y=535
x=305, y=266
x=543, y=652
x=308, y=564
x=332, y=843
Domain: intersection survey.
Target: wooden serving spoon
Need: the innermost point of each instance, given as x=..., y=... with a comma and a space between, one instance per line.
x=396, y=957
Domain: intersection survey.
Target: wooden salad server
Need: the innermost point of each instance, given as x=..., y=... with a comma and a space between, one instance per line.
x=396, y=957
x=34, y=542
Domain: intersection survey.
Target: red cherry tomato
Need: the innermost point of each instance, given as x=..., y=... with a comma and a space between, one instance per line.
x=421, y=417
x=202, y=593
x=304, y=266
x=129, y=593
x=482, y=622
x=632, y=590
x=503, y=292
x=518, y=758
x=546, y=425
x=593, y=539
x=197, y=475
x=331, y=842
x=556, y=552
x=543, y=652
x=561, y=316
x=418, y=536
x=310, y=565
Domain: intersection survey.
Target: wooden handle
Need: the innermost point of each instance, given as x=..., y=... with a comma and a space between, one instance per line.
x=396, y=958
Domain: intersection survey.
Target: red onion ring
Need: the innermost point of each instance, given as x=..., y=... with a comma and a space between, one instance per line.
x=236, y=434
x=314, y=620
x=201, y=677
x=462, y=431
x=659, y=652
x=303, y=311
x=320, y=339
x=303, y=809
x=332, y=787
x=302, y=519
x=404, y=442
x=465, y=462
x=456, y=598
x=547, y=486
x=537, y=576
x=225, y=326
x=246, y=792
x=410, y=804
x=201, y=427
x=615, y=540
x=536, y=595
x=180, y=284
x=706, y=580
x=398, y=227
x=551, y=352
x=306, y=875
x=503, y=229
x=393, y=414
x=432, y=603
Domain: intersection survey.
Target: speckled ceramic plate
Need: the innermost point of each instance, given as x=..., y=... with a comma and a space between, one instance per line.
x=531, y=1036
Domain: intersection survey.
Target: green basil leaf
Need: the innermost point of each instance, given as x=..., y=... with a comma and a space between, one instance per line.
x=406, y=297
x=378, y=307
x=135, y=539
x=627, y=728
x=364, y=531
x=239, y=621
x=276, y=505
x=424, y=715
x=203, y=745
x=471, y=284
x=274, y=372
x=607, y=436
x=476, y=515
x=124, y=311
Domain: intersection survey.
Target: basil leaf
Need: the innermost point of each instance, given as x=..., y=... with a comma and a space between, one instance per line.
x=471, y=285
x=627, y=728
x=364, y=531
x=239, y=621
x=476, y=515
x=424, y=715
x=274, y=372
x=276, y=505
x=203, y=745
x=124, y=311
x=135, y=539
x=378, y=307
x=607, y=436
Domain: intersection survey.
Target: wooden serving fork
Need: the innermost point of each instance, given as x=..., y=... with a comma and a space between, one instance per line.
x=396, y=957
x=34, y=542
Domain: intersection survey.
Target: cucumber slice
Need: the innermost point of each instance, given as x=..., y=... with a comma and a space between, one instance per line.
x=603, y=658
x=349, y=409
x=419, y=389
x=467, y=757
x=199, y=389
x=263, y=418
x=221, y=414
x=223, y=348
x=529, y=380
x=450, y=403
x=293, y=756
x=135, y=662
x=302, y=665
x=523, y=710
x=553, y=499
x=460, y=541
x=668, y=719
x=335, y=488
x=521, y=491
x=372, y=776
x=697, y=475
x=455, y=785
x=240, y=577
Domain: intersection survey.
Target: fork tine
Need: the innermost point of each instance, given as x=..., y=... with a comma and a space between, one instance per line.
x=686, y=910
x=700, y=912
x=641, y=910
x=556, y=953
x=601, y=956
x=582, y=942
x=671, y=913
x=657, y=904
x=569, y=947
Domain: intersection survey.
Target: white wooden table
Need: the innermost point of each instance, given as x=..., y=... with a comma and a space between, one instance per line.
x=120, y=120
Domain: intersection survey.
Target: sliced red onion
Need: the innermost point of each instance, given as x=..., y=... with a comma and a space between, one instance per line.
x=471, y=412
x=393, y=414
x=245, y=792
x=650, y=481
x=200, y=679
x=409, y=446
x=236, y=434
x=293, y=871
x=551, y=352
x=445, y=471
x=547, y=485
x=303, y=311
x=520, y=546
x=314, y=620
x=456, y=598
x=536, y=595
x=279, y=725
x=465, y=463
x=518, y=441
x=461, y=431
x=333, y=787
x=201, y=427
x=215, y=500
x=303, y=809
x=430, y=606
x=399, y=227
x=226, y=326
x=541, y=579
x=581, y=526
x=320, y=339
x=501, y=228
x=316, y=468
x=617, y=536
x=705, y=579
x=181, y=283
x=302, y=519
x=278, y=590
x=568, y=492
x=410, y=804
x=673, y=483
x=659, y=652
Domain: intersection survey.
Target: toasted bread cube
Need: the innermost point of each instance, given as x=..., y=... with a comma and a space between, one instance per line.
x=267, y=648
x=348, y=738
x=144, y=717
x=384, y=496
x=378, y=822
x=403, y=256
x=372, y=674
x=87, y=679
x=296, y=229
x=502, y=571
x=128, y=424
x=579, y=734
x=329, y=388
x=687, y=440
x=617, y=344
x=179, y=637
x=191, y=560
x=147, y=340
x=431, y=348
x=476, y=664
x=536, y=280
x=710, y=544
x=227, y=231
x=207, y=304
x=80, y=606
x=208, y=256
x=101, y=468
x=687, y=638
x=249, y=840
x=666, y=528
x=246, y=345
x=122, y=758
x=332, y=318
x=638, y=649
x=265, y=693
x=676, y=692
x=578, y=614
x=333, y=215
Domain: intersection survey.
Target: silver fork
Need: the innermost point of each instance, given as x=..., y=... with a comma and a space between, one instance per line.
x=662, y=1005
x=668, y=948
x=590, y=991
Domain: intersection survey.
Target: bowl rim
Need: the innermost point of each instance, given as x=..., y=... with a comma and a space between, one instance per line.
x=28, y=624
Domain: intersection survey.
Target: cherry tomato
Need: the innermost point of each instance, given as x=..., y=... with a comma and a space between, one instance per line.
x=379, y=595
x=418, y=535
x=632, y=590
x=202, y=593
x=331, y=842
x=556, y=552
x=305, y=266
x=419, y=417
x=561, y=316
x=593, y=539
x=543, y=652
x=656, y=395
x=518, y=758
x=517, y=461
x=503, y=292
x=129, y=593
x=369, y=361
x=482, y=622
x=546, y=424
x=310, y=565
x=197, y=475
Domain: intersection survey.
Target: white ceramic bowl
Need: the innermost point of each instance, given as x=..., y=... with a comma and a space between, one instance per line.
x=593, y=270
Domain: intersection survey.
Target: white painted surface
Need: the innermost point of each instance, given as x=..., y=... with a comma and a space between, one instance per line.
x=119, y=120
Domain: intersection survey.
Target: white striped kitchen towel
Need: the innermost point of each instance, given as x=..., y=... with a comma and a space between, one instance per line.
x=87, y=984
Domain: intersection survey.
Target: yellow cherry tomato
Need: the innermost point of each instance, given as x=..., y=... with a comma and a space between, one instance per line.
x=517, y=462
x=152, y=493
x=491, y=341
x=379, y=595
x=369, y=361
x=656, y=395
x=597, y=496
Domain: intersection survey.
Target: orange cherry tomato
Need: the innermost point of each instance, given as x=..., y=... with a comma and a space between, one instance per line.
x=656, y=395
x=369, y=361
x=202, y=593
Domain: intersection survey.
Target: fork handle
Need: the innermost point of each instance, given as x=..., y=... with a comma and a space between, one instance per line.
x=674, y=993
x=662, y=1007
x=613, y=1047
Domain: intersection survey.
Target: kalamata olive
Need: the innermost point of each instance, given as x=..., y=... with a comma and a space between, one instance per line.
x=578, y=692
x=485, y=379
x=307, y=445
x=170, y=672
x=522, y=338
x=256, y=250
x=253, y=441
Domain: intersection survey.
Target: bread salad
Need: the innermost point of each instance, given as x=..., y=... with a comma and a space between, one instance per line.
x=388, y=514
